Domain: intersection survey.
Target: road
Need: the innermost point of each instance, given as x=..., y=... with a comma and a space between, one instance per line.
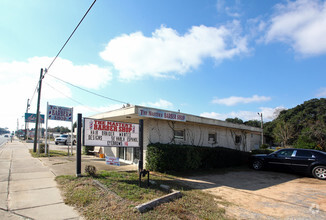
x=3, y=140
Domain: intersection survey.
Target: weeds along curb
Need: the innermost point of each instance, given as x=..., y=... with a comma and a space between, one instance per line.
x=155, y=202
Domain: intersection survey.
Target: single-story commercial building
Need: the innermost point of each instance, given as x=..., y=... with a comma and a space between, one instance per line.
x=161, y=126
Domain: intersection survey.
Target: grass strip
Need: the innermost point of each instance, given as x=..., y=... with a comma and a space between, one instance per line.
x=95, y=203
x=52, y=153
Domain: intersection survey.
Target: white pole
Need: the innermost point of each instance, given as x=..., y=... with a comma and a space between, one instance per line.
x=72, y=131
x=46, y=129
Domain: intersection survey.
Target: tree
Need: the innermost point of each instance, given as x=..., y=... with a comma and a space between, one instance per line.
x=283, y=132
x=253, y=123
x=234, y=120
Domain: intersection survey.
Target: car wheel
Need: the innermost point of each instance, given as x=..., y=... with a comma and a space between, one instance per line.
x=56, y=143
x=257, y=165
x=74, y=143
x=319, y=172
x=65, y=142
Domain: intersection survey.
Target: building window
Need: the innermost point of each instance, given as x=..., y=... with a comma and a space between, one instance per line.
x=237, y=139
x=179, y=135
x=212, y=138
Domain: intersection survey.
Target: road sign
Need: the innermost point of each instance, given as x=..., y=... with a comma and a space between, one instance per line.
x=32, y=118
x=59, y=113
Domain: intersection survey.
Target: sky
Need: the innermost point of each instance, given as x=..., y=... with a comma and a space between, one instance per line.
x=212, y=58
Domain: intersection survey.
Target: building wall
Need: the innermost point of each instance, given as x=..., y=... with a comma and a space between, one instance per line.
x=162, y=131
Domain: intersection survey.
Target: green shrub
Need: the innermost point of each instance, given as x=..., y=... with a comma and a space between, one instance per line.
x=305, y=143
x=262, y=151
x=264, y=146
x=90, y=170
x=42, y=148
x=168, y=157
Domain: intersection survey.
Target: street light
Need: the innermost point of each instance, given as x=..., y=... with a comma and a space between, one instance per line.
x=262, y=128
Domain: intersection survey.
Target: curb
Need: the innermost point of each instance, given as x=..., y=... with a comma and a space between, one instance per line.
x=155, y=202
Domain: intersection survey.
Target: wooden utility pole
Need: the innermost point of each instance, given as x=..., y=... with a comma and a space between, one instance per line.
x=38, y=111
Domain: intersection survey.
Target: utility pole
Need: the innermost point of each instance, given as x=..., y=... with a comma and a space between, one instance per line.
x=38, y=111
x=25, y=119
x=262, y=127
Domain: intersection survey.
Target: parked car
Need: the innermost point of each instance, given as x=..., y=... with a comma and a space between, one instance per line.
x=299, y=160
x=65, y=139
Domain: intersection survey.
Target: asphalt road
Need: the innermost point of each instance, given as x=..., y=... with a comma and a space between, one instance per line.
x=3, y=140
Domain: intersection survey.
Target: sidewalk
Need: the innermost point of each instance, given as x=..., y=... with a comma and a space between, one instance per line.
x=27, y=187
x=67, y=165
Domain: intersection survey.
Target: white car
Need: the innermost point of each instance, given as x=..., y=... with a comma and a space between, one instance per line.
x=65, y=139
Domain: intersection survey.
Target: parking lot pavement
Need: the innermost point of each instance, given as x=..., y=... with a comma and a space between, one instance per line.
x=265, y=194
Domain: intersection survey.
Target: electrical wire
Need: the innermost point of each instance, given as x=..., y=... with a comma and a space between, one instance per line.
x=46, y=70
x=72, y=98
x=68, y=39
x=93, y=93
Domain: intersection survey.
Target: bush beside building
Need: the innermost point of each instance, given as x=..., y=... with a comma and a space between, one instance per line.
x=171, y=157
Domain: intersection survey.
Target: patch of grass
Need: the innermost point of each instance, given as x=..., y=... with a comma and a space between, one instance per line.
x=52, y=153
x=95, y=203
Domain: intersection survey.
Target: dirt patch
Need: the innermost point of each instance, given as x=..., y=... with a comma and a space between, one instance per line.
x=265, y=194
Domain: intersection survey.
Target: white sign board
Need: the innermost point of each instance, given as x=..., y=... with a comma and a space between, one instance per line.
x=110, y=134
x=59, y=113
x=112, y=161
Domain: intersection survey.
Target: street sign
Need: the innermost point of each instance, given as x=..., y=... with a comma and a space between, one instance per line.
x=32, y=118
x=59, y=113
x=110, y=133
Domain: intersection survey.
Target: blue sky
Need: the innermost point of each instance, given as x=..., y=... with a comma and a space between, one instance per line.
x=216, y=58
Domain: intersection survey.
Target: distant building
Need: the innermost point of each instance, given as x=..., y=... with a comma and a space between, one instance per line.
x=162, y=126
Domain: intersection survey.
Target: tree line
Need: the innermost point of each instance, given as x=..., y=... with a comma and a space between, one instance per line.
x=303, y=126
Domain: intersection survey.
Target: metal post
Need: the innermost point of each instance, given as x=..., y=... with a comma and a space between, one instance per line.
x=78, y=146
x=46, y=129
x=26, y=120
x=262, y=128
x=72, y=132
x=141, y=147
x=38, y=111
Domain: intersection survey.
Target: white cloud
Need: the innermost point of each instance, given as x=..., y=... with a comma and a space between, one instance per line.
x=18, y=80
x=167, y=53
x=159, y=104
x=232, y=11
x=268, y=114
x=302, y=24
x=234, y=100
x=321, y=92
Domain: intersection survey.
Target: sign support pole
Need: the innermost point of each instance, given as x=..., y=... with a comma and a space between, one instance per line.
x=141, y=147
x=78, y=147
x=72, y=132
x=46, y=129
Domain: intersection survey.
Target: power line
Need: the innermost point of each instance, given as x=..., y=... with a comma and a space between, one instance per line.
x=72, y=98
x=78, y=87
x=69, y=38
x=46, y=70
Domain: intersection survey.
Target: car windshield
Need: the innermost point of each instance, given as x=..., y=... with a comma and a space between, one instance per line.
x=64, y=135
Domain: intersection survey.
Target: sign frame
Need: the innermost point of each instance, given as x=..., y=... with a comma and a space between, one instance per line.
x=33, y=119
x=105, y=133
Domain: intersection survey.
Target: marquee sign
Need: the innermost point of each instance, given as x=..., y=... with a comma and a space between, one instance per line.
x=153, y=113
x=110, y=134
x=32, y=118
x=59, y=113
